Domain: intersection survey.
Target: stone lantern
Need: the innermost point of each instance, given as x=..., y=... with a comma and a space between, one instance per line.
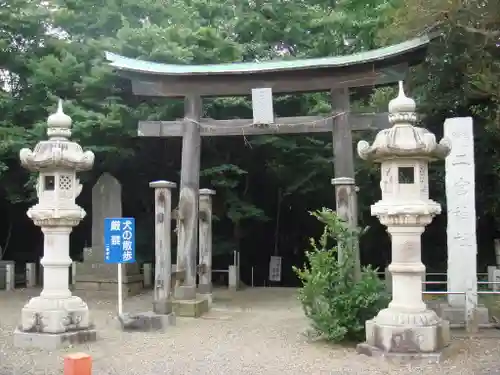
x=56, y=317
x=407, y=326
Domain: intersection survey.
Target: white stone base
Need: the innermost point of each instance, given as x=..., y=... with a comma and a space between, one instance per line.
x=53, y=341
x=406, y=335
x=54, y=316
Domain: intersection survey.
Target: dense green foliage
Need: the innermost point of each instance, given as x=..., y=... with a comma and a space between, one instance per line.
x=336, y=304
x=265, y=185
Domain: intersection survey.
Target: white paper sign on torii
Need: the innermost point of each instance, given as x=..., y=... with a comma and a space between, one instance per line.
x=262, y=106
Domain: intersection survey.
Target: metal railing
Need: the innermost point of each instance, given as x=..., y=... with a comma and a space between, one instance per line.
x=471, y=326
x=220, y=271
x=470, y=306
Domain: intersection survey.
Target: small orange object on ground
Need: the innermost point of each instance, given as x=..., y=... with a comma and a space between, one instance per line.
x=78, y=364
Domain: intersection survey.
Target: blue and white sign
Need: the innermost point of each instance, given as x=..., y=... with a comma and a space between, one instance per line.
x=119, y=240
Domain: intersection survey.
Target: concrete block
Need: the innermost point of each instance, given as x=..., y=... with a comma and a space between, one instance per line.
x=205, y=291
x=190, y=308
x=185, y=292
x=162, y=307
x=456, y=314
x=146, y=321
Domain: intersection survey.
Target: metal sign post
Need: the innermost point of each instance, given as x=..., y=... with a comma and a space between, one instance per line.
x=119, y=242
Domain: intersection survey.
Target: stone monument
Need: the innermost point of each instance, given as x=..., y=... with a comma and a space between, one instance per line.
x=407, y=329
x=56, y=317
x=461, y=230
x=93, y=273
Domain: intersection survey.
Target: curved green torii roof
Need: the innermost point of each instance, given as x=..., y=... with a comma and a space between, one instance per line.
x=142, y=66
x=376, y=67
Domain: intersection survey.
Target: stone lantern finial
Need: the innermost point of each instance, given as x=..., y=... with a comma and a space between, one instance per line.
x=59, y=123
x=402, y=108
x=402, y=103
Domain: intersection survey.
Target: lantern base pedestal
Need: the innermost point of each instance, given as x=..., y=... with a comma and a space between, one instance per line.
x=54, y=315
x=406, y=342
x=52, y=341
x=50, y=323
x=413, y=358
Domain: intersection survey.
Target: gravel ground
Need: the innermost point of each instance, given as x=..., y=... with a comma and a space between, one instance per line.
x=256, y=331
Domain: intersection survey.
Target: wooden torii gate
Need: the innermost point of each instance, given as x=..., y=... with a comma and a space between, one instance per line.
x=337, y=75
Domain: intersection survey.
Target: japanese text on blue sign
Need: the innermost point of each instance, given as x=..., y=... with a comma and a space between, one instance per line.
x=119, y=240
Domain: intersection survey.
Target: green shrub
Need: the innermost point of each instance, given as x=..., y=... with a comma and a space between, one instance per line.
x=336, y=304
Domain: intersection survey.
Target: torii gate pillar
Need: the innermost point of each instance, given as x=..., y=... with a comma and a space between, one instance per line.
x=186, y=302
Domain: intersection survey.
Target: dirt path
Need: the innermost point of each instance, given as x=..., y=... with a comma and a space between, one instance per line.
x=256, y=331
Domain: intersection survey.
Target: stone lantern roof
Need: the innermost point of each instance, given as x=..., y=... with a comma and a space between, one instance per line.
x=58, y=152
x=403, y=140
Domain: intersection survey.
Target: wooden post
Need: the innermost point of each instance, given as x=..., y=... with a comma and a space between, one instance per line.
x=187, y=244
x=78, y=364
x=30, y=275
x=10, y=275
x=73, y=273
x=147, y=273
x=345, y=188
x=163, y=247
x=205, y=233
